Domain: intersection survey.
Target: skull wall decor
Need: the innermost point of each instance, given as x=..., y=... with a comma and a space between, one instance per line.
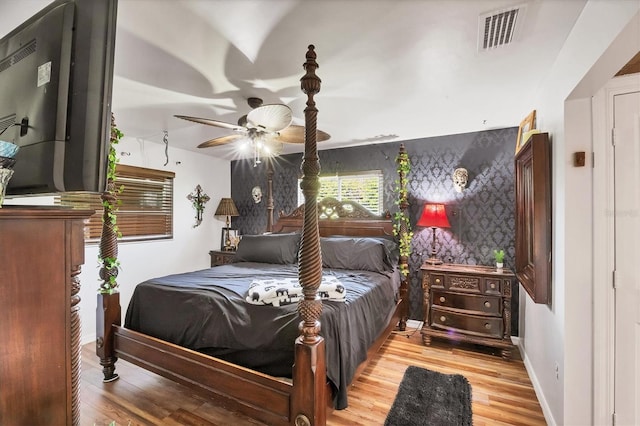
x=256, y=194
x=460, y=176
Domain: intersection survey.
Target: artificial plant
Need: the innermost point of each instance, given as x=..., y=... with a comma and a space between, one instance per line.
x=401, y=224
x=198, y=199
x=108, y=255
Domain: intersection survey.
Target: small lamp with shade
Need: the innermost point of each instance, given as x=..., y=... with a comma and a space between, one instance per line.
x=227, y=208
x=434, y=216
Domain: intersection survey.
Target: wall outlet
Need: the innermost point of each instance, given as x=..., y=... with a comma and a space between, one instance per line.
x=414, y=324
x=557, y=371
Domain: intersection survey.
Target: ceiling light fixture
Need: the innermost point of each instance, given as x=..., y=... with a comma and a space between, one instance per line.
x=262, y=145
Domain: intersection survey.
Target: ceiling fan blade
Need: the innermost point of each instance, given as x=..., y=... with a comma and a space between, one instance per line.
x=295, y=134
x=210, y=122
x=271, y=118
x=221, y=141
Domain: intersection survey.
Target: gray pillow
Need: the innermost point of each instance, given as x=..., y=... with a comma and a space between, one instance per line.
x=268, y=248
x=357, y=253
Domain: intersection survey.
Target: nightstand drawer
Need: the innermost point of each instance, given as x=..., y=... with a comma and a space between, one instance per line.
x=482, y=305
x=465, y=283
x=436, y=280
x=466, y=323
x=492, y=286
x=221, y=257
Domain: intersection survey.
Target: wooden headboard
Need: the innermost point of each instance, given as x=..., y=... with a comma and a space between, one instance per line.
x=339, y=218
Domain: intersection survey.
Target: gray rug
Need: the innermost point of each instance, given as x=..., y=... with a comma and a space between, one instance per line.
x=430, y=398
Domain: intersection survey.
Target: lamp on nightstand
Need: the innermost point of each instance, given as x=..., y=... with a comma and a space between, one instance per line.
x=434, y=216
x=227, y=208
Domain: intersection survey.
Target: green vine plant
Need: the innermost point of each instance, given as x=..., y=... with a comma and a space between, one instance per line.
x=108, y=253
x=404, y=240
x=401, y=224
x=112, y=207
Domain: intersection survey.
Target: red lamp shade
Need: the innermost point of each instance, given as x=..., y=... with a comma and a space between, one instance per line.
x=434, y=216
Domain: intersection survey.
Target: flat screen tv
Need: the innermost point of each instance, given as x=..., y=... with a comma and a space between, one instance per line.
x=56, y=77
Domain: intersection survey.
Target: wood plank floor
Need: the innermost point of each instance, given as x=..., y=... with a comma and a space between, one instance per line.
x=502, y=391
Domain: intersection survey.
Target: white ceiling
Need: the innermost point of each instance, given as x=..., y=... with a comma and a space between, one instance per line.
x=391, y=70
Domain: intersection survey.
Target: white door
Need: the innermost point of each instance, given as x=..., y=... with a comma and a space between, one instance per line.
x=627, y=258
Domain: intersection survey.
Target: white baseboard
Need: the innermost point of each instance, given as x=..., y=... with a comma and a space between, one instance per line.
x=548, y=416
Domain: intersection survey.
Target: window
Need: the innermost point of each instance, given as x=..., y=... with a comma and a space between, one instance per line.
x=364, y=188
x=145, y=211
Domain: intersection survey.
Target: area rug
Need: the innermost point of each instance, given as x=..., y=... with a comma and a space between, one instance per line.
x=430, y=398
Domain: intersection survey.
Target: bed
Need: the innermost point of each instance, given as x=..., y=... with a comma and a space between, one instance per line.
x=283, y=358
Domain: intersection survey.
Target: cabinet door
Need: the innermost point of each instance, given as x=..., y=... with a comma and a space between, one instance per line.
x=533, y=218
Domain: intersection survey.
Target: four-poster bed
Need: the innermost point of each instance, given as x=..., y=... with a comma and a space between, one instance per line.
x=306, y=397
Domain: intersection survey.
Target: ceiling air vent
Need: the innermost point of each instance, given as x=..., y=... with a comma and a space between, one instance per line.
x=498, y=28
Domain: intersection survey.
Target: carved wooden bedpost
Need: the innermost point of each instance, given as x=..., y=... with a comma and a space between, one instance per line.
x=108, y=307
x=269, y=194
x=309, y=371
x=403, y=204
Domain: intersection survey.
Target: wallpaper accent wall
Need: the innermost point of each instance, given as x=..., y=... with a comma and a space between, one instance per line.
x=482, y=217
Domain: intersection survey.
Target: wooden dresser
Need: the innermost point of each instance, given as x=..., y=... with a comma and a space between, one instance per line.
x=41, y=251
x=219, y=257
x=468, y=303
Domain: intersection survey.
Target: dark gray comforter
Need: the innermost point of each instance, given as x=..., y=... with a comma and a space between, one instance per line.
x=206, y=311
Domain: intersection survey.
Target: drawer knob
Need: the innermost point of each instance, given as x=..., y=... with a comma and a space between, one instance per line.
x=443, y=318
x=493, y=285
x=437, y=280
x=487, y=304
x=442, y=299
x=487, y=326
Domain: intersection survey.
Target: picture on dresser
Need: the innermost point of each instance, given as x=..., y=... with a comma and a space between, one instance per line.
x=229, y=240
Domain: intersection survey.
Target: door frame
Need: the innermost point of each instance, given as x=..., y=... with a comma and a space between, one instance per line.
x=603, y=246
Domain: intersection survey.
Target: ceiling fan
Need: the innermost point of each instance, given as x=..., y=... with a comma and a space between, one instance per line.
x=266, y=128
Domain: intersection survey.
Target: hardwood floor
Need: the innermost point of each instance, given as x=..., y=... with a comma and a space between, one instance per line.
x=502, y=391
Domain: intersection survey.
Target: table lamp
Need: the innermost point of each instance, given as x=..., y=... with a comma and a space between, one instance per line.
x=227, y=208
x=434, y=216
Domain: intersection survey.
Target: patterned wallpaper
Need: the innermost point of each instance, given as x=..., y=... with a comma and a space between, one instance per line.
x=482, y=217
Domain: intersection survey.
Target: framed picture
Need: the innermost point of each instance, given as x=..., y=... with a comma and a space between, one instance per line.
x=230, y=239
x=529, y=123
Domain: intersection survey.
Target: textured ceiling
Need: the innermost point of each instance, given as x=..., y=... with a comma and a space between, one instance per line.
x=391, y=70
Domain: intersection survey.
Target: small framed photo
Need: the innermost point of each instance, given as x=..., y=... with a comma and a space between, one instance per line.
x=529, y=123
x=230, y=239
x=234, y=237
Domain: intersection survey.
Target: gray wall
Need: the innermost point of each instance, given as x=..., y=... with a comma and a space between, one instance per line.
x=482, y=217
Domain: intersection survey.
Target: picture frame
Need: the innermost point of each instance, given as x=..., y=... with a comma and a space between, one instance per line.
x=529, y=123
x=229, y=239
x=533, y=218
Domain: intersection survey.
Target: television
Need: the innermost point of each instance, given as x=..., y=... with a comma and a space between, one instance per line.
x=56, y=78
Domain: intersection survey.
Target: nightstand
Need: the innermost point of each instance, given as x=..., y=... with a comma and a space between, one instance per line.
x=219, y=257
x=468, y=303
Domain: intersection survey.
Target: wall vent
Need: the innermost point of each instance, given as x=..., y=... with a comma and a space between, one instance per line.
x=499, y=28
